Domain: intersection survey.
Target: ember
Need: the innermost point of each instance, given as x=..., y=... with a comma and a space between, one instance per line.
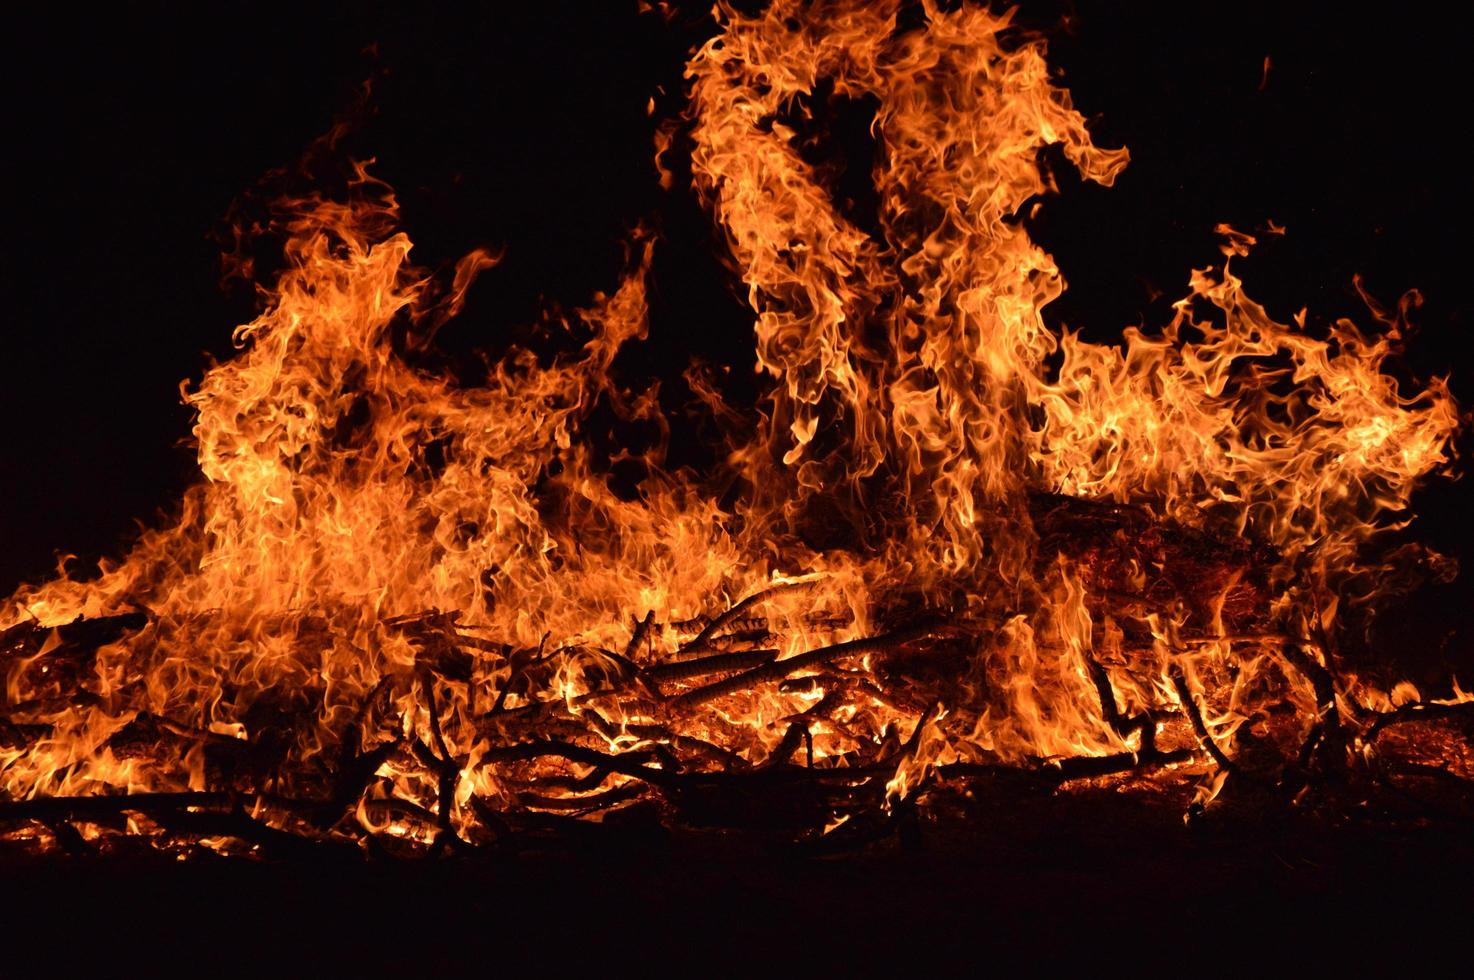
x=951, y=550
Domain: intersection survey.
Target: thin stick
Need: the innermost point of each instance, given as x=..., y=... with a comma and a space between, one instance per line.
x=1195, y=715
x=1055, y=772
x=515, y=672
x=779, y=669
x=642, y=630
x=720, y=663
x=47, y=808
x=623, y=764
x=1419, y=711
x=1123, y=726
x=711, y=628
x=1327, y=730
x=238, y=824
x=582, y=804
x=448, y=770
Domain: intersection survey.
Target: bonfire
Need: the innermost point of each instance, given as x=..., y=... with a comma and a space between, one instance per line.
x=951, y=553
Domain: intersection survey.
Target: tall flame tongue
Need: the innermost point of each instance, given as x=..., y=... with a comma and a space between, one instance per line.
x=966, y=539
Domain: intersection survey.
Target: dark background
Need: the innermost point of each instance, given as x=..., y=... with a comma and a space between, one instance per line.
x=130, y=132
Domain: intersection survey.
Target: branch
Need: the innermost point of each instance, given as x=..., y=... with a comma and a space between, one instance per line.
x=702, y=638
x=1195, y=715
x=1420, y=711
x=886, y=643
x=719, y=663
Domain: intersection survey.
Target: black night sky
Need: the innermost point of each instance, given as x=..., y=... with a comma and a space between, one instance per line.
x=132, y=131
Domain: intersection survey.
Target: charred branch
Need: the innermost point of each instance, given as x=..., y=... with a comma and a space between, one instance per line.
x=1195, y=715
x=1462, y=711
x=719, y=663
x=701, y=640
x=884, y=644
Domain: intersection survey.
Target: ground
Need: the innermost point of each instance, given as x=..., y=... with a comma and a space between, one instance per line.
x=1108, y=882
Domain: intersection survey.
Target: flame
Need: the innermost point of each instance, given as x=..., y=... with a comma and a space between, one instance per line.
x=381, y=563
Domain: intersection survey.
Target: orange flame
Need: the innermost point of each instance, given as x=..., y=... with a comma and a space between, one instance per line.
x=362, y=524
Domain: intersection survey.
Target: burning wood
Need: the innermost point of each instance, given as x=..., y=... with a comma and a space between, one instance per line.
x=560, y=759
x=949, y=552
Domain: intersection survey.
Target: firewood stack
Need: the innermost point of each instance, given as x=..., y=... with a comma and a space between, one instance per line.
x=648, y=745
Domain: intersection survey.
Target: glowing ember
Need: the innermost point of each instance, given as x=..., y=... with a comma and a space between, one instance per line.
x=951, y=542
